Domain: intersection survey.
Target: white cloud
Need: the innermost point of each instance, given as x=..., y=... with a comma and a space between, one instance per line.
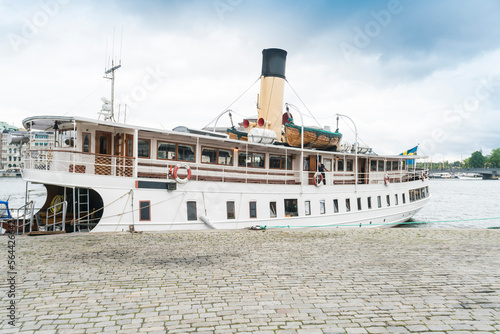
x=183, y=64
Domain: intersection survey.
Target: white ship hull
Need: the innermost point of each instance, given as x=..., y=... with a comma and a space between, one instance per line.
x=168, y=208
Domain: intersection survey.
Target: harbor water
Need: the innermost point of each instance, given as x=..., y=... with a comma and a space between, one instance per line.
x=454, y=203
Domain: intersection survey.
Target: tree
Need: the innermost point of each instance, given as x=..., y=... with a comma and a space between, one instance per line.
x=494, y=160
x=477, y=160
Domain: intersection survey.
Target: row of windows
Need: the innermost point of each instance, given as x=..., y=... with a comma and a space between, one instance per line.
x=418, y=194
x=291, y=207
x=209, y=155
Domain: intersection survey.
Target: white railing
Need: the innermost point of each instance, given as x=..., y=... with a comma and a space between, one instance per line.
x=77, y=162
x=220, y=173
x=86, y=163
x=55, y=218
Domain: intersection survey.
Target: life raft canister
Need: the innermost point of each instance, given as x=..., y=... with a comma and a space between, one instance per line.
x=177, y=178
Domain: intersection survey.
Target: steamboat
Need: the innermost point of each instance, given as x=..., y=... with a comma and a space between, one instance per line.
x=105, y=176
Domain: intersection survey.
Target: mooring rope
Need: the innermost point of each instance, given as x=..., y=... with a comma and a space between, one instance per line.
x=382, y=224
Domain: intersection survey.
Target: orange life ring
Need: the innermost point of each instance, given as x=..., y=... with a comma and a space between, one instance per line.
x=387, y=180
x=187, y=178
x=315, y=179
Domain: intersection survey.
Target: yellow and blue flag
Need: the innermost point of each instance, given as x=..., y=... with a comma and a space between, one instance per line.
x=411, y=151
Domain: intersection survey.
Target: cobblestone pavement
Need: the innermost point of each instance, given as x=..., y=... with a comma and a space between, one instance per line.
x=302, y=281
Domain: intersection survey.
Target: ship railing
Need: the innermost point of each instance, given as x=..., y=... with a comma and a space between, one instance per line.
x=55, y=218
x=78, y=162
x=22, y=220
x=349, y=177
x=218, y=173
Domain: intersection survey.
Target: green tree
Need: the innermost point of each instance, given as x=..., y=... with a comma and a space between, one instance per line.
x=494, y=160
x=477, y=160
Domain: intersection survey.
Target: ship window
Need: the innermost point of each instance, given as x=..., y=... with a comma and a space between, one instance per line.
x=225, y=157
x=388, y=198
x=291, y=208
x=347, y=204
x=253, y=209
x=275, y=161
x=186, y=152
x=258, y=160
x=380, y=165
x=272, y=210
x=322, y=208
x=340, y=165
x=394, y=165
x=145, y=210
x=396, y=199
x=328, y=164
x=388, y=166
x=335, y=205
x=373, y=165
x=143, y=148
x=166, y=151
x=230, y=210
x=379, y=200
x=244, y=159
x=369, y=199
x=191, y=210
x=404, y=198
x=359, y=203
x=209, y=155
x=349, y=166
x=412, y=196
x=86, y=142
x=280, y=162
x=403, y=165
x=307, y=207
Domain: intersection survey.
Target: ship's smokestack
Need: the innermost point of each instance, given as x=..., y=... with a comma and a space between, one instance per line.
x=272, y=86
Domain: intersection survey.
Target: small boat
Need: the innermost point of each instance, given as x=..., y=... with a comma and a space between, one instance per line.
x=236, y=134
x=315, y=138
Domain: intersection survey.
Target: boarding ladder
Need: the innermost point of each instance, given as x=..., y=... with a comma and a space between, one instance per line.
x=83, y=222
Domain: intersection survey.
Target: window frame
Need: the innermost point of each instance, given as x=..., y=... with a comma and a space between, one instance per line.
x=347, y=205
x=84, y=134
x=233, y=210
x=335, y=205
x=141, y=212
x=177, y=155
x=322, y=207
x=195, y=210
x=271, y=213
x=217, y=155
x=307, y=208
x=250, y=209
x=139, y=148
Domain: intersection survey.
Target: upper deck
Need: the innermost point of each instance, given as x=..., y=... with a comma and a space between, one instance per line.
x=91, y=147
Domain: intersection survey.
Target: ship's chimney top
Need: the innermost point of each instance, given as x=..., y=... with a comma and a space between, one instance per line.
x=273, y=63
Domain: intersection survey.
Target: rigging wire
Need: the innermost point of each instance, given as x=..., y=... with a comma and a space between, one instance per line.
x=229, y=106
x=303, y=103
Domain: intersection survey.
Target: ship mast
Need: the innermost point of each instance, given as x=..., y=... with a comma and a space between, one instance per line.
x=108, y=108
x=111, y=73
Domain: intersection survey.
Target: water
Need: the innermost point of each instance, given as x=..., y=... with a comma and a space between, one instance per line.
x=464, y=200
x=451, y=200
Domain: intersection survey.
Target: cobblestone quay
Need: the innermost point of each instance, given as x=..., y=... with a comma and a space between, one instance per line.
x=286, y=281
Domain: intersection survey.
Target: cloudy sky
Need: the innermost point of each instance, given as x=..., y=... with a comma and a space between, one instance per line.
x=407, y=72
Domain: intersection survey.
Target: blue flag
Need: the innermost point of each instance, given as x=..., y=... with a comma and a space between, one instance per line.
x=411, y=151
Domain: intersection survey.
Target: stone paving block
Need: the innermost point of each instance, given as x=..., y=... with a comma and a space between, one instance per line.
x=410, y=280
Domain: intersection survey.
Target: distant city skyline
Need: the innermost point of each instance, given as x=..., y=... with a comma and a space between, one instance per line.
x=406, y=72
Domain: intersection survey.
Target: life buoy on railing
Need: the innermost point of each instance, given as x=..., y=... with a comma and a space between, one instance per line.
x=187, y=178
x=387, y=180
x=315, y=179
x=56, y=204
